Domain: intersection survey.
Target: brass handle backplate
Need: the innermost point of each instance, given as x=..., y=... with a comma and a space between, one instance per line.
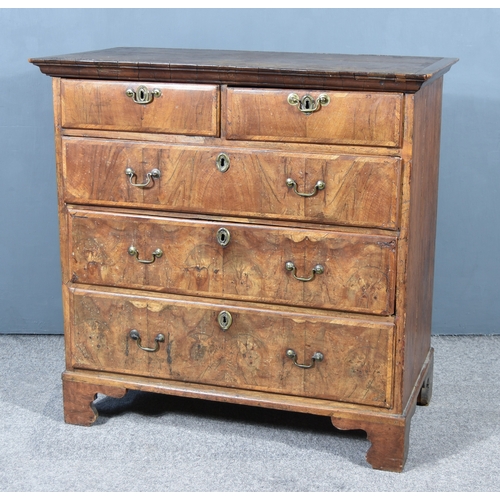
x=317, y=356
x=154, y=174
x=143, y=95
x=318, y=187
x=317, y=269
x=307, y=104
x=134, y=334
x=135, y=253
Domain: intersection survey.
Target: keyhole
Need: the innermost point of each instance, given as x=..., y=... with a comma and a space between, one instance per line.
x=307, y=104
x=225, y=320
x=222, y=162
x=223, y=237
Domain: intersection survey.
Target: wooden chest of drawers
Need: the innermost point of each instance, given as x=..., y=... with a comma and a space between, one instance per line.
x=255, y=228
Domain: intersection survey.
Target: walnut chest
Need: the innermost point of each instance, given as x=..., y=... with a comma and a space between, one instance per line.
x=250, y=227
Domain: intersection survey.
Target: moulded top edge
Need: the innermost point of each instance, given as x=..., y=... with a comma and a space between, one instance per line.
x=244, y=67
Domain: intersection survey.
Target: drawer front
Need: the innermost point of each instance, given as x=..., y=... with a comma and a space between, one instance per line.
x=358, y=190
x=266, y=264
x=251, y=353
x=356, y=118
x=180, y=109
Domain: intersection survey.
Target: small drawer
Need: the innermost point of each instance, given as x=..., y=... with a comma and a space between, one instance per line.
x=232, y=345
x=333, y=189
x=314, y=268
x=348, y=118
x=172, y=108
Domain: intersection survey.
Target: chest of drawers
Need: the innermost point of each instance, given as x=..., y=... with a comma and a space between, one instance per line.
x=255, y=228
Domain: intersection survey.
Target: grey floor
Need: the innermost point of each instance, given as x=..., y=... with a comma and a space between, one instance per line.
x=147, y=442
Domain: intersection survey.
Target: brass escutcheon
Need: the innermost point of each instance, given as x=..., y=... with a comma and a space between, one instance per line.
x=307, y=104
x=142, y=95
x=225, y=320
x=223, y=237
x=222, y=162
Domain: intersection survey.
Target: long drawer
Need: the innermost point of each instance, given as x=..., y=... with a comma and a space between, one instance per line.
x=355, y=190
x=316, y=268
x=109, y=105
x=355, y=118
x=171, y=338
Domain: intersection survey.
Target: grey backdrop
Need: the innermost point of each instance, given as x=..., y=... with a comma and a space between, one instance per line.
x=467, y=272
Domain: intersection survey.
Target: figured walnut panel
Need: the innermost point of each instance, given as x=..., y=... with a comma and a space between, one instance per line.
x=358, y=118
x=103, y=105
x=358, y=268
x=359, y=190
x=357, y=362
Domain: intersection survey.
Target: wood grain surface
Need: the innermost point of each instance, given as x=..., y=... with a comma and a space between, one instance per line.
x=358, y=268
x=251, y=353
x=369, y=119
x=359, y=190
x=261, y=69
x=375, y=146
x=181, y=109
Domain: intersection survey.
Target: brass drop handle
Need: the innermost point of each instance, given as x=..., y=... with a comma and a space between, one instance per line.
x=317, y=269
x=317, y=356
x=154, y=174
x=306, y=104
x=134, y=334
x=143, y=95
x=135, y=253
x=318, y=187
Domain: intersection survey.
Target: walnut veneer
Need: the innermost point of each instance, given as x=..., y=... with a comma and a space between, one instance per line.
x=248, y=227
